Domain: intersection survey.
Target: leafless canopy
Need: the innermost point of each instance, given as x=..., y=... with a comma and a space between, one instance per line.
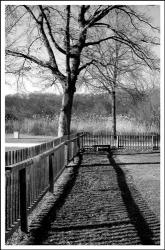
x=37, y=35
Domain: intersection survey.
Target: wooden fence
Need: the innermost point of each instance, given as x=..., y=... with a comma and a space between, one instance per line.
x=12, y=157
x=33, y=172
x=27, y=181
x=122, y=141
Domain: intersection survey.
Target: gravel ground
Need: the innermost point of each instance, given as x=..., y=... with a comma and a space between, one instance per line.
x=96, y=203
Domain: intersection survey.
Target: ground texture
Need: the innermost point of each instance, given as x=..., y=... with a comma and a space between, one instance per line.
x=100, y=205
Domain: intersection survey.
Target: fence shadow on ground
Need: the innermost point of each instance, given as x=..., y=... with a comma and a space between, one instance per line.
x=144, y=232
x=40, y=233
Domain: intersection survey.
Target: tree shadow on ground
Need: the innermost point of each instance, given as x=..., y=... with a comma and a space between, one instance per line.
x=144, y=232
x=38, y=234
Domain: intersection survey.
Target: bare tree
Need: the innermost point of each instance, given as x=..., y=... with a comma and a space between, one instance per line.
x=50, y=35
x=116, y=67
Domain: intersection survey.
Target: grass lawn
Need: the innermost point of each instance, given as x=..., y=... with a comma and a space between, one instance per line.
x=27, y=138
x=145, y=171
x=24, y=141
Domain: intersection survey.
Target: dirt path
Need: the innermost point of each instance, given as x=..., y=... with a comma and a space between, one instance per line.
x=100, y=206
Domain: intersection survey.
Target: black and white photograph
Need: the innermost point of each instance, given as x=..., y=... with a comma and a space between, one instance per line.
x=82, y=124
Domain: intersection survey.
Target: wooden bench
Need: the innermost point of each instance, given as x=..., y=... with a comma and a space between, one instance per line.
x=96, y=148
x=101, y=147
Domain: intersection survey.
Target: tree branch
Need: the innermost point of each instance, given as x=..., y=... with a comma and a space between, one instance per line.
x=85, y=65
x=98, y=15
x=29, y=57
x=99, y=41
x=41, y=27
x=81, y=18
x=131, y=12
x=46, y=40
x=67, y=34
x=32, y=14
x=50, y=32
x=139, y=51
x=52, y=64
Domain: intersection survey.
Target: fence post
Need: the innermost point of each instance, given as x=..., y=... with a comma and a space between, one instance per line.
x=66, y=154
x=153, y=142
x=117, y=141
x=23, y=210
x=72, y=149
x=78, y=142
x=51, y=177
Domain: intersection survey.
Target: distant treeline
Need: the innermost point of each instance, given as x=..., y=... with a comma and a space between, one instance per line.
x=142, y=106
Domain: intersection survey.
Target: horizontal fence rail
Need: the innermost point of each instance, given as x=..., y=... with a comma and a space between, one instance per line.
x=122, y=141
x=27, y=181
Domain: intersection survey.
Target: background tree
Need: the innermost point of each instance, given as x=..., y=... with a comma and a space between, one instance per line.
x=115, y=66
x=53, y=36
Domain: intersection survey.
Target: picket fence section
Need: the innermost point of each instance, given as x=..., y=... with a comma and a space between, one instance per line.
x=12, y=157
x=138, y=141
x=27, y=181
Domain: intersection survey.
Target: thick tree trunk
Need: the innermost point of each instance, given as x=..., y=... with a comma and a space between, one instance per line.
x=114, y=113
x=65, y=113
x=67, y=101
x=72, y=71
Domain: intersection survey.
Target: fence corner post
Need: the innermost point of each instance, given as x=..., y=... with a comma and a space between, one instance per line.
x=154, y=142
x=23, y=194
x=51, y=177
